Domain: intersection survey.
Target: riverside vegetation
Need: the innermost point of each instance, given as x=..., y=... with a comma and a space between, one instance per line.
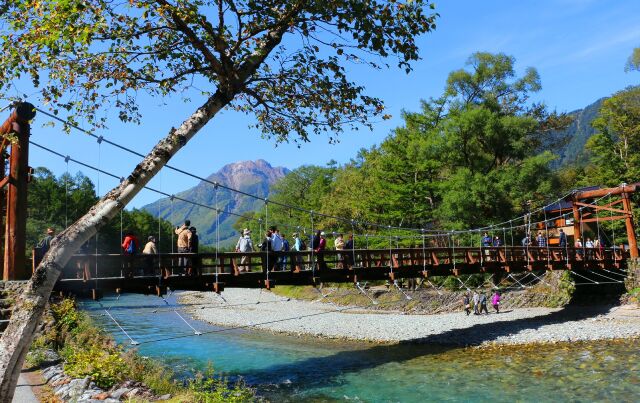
x=89, y=352
x=554, y=291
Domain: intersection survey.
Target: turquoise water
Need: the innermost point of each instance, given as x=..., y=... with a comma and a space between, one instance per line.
x=285, y=368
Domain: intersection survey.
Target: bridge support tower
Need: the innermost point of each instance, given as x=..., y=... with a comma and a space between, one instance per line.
x=15, y=133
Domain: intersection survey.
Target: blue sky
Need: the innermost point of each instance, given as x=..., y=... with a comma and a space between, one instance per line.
x=578, y=46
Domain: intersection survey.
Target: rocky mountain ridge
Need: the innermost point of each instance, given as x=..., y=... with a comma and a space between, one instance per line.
x=252, y=177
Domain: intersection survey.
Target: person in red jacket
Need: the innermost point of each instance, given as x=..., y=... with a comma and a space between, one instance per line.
x=130, y=247
x=322, y=245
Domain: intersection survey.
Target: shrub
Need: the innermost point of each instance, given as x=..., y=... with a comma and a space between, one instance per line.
x=207, y=388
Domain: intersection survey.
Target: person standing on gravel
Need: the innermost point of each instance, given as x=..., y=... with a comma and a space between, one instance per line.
x=495, y=301
x=466, y=303
x=476, y=303
x=483, y=303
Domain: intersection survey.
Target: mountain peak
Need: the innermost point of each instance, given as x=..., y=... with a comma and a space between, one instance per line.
x=253, y=177
x=238, y=174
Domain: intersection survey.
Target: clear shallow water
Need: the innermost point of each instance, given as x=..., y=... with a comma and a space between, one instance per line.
x=285, y=368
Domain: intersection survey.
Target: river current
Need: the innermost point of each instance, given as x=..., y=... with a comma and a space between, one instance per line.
x=287, y=368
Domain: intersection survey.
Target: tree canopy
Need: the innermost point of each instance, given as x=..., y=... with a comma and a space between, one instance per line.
x=285, y=62
x=614, y=148
x=57, y=202
x=633, y=63
x=472, y=156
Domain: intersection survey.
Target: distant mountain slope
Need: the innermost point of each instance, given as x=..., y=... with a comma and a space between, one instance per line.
x=579, y=132
x=254, y=177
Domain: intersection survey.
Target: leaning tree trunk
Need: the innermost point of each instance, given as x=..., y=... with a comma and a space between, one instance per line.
x=30, y=305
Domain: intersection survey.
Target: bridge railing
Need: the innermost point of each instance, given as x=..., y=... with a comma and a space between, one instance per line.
x=442, y=261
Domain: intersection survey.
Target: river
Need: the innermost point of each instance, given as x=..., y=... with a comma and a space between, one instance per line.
x=287, y=368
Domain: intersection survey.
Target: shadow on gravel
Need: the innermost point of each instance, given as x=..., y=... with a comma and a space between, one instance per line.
x=313, y=372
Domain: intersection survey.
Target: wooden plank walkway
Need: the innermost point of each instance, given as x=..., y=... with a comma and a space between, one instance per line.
x=91, y=274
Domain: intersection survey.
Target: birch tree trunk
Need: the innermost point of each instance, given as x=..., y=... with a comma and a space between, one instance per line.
x=29, y=307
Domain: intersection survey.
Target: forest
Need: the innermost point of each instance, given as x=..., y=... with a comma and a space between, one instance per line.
x=480, y=153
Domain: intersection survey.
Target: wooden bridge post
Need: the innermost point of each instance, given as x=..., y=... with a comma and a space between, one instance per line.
x=576, y=222
x=631, y=235
x=15, y=267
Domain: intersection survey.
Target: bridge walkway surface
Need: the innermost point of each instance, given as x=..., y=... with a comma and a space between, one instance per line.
x=153, y=274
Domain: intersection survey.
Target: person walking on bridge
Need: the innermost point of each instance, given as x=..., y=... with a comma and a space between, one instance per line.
x=276, y=246
x=130, y=247
x=541, y=240
x=322, y=245
x=150, y=249
x=45, y=243
x=298, y=246
x=245, y=245
x=339, y=245
x=269, y=261
x=184, y=243
x=487, y=242
x=194, y=244
x=562, y=242
x=349, y=246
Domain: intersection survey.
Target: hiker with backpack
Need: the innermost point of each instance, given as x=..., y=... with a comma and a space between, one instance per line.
x=130, y=247
x=184, y=242
x=245, y=245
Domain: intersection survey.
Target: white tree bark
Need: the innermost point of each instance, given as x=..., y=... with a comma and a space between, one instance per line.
x=28, y=310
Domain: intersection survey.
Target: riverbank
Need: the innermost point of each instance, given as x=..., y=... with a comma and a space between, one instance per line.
x=78, y=362
x=264, y=310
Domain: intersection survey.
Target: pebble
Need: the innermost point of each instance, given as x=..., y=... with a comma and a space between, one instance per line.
x=514, y=326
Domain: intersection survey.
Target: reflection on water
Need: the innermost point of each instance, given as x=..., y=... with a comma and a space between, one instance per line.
x=285, y=368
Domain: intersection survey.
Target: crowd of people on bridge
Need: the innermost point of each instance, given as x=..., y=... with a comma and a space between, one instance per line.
x=275, y=243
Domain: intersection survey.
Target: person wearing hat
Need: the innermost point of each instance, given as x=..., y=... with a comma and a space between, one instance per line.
x=245, y=245
x=150, y=249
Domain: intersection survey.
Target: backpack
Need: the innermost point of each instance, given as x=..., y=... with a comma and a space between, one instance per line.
x=131, y=248
x=303, y=245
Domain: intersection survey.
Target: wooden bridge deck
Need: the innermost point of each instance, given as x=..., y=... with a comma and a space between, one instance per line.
x=154, y=273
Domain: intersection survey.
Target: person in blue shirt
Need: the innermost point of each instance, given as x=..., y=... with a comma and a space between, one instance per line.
x=285, y=248
x=497, y=241
x=563, y=239
x=486, y=240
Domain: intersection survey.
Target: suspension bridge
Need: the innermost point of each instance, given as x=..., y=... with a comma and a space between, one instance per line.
x=432, y=252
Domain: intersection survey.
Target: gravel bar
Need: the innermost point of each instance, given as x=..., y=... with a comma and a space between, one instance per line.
x=264, y=310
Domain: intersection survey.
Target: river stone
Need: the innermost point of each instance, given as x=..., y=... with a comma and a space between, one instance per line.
x=165, y=397
x=63, y=391
x=131, y=393
x=77, y=387
x=118, y=393
x=100, y=396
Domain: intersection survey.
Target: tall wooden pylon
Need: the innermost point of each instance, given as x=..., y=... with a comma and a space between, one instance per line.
x=625, y=213
x=17, y=125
